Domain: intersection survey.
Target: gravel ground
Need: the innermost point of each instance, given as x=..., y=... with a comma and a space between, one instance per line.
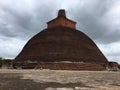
x=58, y=80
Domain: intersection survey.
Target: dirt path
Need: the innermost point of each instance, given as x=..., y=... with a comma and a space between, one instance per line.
x=58, y=80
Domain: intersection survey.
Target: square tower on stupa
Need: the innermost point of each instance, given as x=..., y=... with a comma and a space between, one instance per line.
x=61, y=20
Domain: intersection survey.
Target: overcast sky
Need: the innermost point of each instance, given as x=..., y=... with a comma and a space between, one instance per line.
x=22, y=19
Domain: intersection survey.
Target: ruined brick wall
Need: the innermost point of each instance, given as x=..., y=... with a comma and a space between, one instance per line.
x=64, y=66
x=7, y=63
x=112, y=66
x=71, y=66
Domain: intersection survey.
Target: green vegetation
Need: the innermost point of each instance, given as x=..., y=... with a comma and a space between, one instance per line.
x=119, y=66
x=1, y=61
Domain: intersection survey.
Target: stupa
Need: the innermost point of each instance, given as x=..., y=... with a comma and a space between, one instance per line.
x=61, y=47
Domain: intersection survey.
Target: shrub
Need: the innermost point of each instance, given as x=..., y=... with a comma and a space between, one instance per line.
x=1, y=61
x=119, y=66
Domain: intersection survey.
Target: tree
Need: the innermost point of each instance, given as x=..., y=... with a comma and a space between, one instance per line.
x=1, y=61
x=119, y=66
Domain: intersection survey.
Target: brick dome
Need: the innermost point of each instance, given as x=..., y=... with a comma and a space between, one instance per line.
x=60, y=43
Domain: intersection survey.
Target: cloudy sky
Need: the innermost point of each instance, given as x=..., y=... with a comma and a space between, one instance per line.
x=22, y=19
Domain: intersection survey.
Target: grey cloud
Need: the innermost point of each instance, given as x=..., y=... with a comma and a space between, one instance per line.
x=20, y=24
x=92, y=20
x=111, y=37
x=24, y=24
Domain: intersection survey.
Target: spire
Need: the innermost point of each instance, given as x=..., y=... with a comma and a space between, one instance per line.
x=61, y=13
